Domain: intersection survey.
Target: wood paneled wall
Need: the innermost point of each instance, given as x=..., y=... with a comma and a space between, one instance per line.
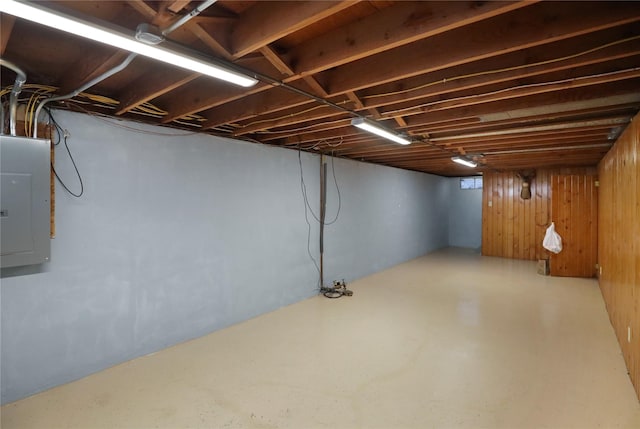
x=574, y=210
x=619, y=243
x=513, y=227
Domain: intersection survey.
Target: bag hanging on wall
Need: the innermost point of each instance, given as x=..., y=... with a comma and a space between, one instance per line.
x=552, y=240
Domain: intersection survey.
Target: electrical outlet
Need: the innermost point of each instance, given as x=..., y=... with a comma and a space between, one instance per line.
x=628, y=334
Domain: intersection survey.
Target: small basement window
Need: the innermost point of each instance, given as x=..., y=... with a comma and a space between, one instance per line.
x=471, y=183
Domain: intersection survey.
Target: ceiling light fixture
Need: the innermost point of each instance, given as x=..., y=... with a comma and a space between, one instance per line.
x=376, y=129
x=464, y=161
x=108, y=36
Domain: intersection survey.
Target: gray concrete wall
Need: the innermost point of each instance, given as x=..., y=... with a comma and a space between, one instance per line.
x=178, y=236
x=465, y=216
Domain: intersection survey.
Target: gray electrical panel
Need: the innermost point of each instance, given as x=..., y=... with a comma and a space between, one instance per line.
x=24, y=201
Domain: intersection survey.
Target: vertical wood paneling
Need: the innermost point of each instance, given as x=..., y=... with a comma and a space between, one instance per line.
x=513, y=227
x=574, y=202
x=619, y=243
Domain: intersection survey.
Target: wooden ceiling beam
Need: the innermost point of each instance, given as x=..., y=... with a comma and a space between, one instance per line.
x=428, y=151
x=176, y=6
x=536, y=25
x=143, y=9
x=543, y=137
x=594, y=48
x=579, y=125
x=151, y=86
x=208, y=39
x=389, y=150
x=249, y=107
x=508, y=142
x=89, y=66
x=342, y=127
x=468, y=126
x=547, y=99
x=531, y=160
x=404, y=23
x=194, y=99
x=201, y=104
x=272, y=56
x=504, y=92
x=261, y=103
x=319, y=111
x=479, y=84
x=472, y=147
x=460, y=11
x=266, y=22
x=556, y=97
x=572, y=131
x=469, y=10
x=337, y=129
x=6, y=27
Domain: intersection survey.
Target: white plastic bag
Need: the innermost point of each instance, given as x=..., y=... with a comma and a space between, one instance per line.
x=552, y=240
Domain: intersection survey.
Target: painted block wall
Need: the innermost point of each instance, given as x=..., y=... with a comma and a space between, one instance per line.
x=178, y=236
x=465, y=216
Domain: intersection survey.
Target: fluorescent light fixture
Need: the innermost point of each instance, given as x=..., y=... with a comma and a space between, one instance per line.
x=464, y=161
x=366, y=125
x=108, y=36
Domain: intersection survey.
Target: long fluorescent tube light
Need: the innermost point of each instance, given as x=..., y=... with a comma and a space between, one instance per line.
x=107, y=36
x=378, y=130
x=464, y=161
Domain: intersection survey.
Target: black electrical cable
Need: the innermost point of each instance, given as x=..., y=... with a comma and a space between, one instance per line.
x=307, y=209
x=62, y=136
x=77, y=173
x=303, y=188
x=306, y=199
x=56, y=126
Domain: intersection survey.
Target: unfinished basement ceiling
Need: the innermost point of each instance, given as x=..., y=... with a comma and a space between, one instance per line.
x=517, y=85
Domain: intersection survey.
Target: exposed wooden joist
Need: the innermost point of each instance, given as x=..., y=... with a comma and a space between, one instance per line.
x=273, y=57
x=266, y=22
x=88, y=67
x=487, y=72
x=402, y=24
x=533, y=26
x=176, y=6
x=265, y=102
x=211, y=42
x=507, y=93
x=540, y=89
x=468, y=11
x=313, y=112
x=555, y=98
x=6, y=26
x=148, y=87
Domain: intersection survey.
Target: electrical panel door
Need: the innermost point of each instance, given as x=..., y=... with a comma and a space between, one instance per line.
x=24, y=201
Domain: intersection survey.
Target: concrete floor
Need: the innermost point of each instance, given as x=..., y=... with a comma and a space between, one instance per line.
x=450, y=340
